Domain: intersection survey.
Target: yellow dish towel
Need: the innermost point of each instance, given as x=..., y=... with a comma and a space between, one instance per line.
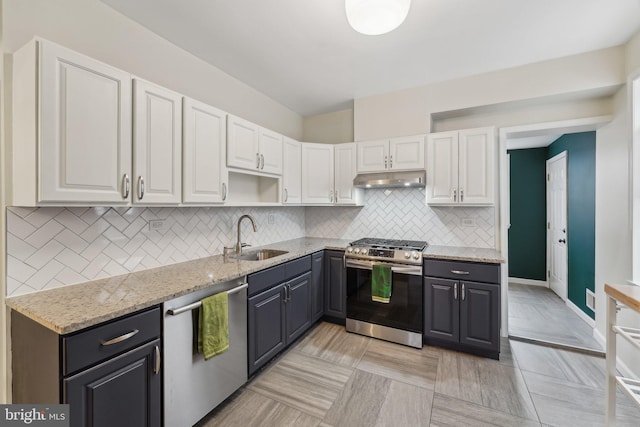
x=213, y=326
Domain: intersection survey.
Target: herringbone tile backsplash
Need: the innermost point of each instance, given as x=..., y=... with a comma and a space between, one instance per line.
x=51, y=247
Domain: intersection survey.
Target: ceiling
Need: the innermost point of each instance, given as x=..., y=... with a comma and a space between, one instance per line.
x=304, y=55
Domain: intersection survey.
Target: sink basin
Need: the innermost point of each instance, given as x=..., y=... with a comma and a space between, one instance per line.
x=260, y=255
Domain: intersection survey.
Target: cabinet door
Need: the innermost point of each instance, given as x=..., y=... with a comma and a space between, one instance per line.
x=373, y=155
x=291, y=171
x=298, y=306
x=480, y=315
x=85, y=128
x=441, y=309
x=204, y=150
x=476, y=166
x=317, y=179
x=157, y=141
x=317, y=286
x=270, y=144
x=266, y=326
x=242, y=144
x=123, y=391
x=345, y=171
x=406, y=153
x=442, y=168
x=335, y=297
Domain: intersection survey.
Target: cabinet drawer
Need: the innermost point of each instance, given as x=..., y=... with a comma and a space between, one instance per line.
x=265, y=279
x=462, y=270
x=297, y=267
x=91, y=346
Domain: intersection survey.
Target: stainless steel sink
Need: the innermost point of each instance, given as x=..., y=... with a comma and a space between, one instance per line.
x=260, y=255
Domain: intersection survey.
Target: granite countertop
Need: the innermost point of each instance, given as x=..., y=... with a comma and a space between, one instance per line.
x=71, y=308
x=463, y=254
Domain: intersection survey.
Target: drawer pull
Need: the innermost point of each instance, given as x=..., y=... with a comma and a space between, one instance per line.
x=121, y=338
x=461, y=272
x=156, y=368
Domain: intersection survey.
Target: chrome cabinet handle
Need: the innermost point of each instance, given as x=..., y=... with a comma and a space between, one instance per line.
x=330, y=196
x=463, y=292
x=455, y=195
x=562, y=241
x=261, y=161
x=462, y=272
x=140, y=187
x=286, y=195
x=121, y=338
x=224, y=191
x=257, y=160
x=391, y=161
x=461, y=195
x=455, y=291
x=126, y=184
x=156, y=367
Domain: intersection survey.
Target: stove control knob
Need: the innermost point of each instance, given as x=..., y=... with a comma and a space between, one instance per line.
x=415, y=254
x=407, y=255
x=363, y=251
x=357, y=250
x=349, y=249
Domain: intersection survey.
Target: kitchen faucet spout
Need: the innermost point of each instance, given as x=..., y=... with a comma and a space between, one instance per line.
x=239, y=244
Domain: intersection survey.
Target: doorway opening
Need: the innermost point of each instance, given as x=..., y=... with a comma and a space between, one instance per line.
x=536, y=245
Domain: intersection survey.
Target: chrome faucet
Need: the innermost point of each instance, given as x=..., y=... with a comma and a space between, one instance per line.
x=239, y=244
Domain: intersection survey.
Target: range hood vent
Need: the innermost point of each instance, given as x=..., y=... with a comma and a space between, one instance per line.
x=412, y=179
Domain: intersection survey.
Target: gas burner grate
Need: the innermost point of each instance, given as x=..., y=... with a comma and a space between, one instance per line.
x=417, y=245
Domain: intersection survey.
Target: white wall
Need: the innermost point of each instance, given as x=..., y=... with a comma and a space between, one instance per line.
x=330, y=128
x=96, y=30
x=408, y=112
x=613, y=220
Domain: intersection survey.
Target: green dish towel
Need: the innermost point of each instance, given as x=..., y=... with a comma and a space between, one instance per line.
x=381, y=283
x=213, y=326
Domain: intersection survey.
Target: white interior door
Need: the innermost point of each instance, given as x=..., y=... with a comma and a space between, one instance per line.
x=557, y=224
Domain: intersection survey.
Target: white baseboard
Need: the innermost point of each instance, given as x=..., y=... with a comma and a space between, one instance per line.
x=529, y=282
x=620, y=365
x=581, y=314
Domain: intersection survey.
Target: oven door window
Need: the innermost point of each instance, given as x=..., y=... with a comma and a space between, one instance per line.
x=404, y=310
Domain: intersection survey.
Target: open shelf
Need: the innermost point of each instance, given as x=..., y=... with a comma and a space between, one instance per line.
x=254, y=190
x=631, y=387
x=630, y=334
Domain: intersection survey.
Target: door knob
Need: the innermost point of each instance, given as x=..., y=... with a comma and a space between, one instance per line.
x=562, y=241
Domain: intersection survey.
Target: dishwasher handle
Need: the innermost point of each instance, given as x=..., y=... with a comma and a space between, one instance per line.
x=176, y=311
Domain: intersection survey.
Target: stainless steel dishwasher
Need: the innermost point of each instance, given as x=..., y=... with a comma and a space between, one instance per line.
x=194, y=386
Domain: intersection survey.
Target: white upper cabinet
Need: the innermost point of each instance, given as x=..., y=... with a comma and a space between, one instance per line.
x=157, y=141
x=270, y=148
x=252, y=147
x=317, y=178
x=345, y=172
x=204, y=175
x=404, y=153
x=292, y=171
x=72, y=128
x=461, y=167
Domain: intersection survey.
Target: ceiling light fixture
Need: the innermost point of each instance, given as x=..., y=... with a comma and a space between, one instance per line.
x=375, y=17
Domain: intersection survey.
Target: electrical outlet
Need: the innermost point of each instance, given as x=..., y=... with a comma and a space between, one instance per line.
x=157, y=224
x=468, y=222
x=271, y=219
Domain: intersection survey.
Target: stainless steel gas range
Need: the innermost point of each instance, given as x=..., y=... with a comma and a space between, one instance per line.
x=399, y=320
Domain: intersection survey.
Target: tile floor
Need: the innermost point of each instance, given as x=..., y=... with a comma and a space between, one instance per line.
x=538, y=314
x=335, y=378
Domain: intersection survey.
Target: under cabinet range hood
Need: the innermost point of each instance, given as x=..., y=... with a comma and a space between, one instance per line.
x=411, y=179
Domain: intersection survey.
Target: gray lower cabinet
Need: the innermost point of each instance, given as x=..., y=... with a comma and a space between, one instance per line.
x=317, y=286
x=335, y=297
x=110, y=374
x=279, y=309
x=462, y=312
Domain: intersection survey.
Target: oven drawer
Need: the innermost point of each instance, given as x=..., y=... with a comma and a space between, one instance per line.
x=462, y=270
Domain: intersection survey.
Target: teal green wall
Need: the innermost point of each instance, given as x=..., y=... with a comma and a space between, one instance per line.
x=581, y=212
x=527, y=234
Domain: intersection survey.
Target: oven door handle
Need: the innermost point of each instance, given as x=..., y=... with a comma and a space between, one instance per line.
x=395, y=268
